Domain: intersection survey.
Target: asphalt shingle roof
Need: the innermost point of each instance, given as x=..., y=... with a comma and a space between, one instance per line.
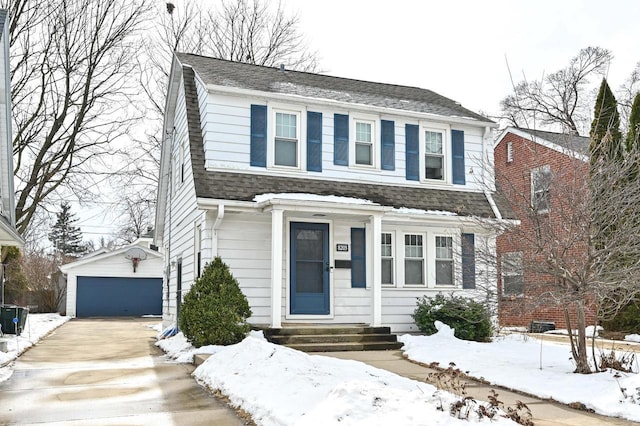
x=244, y=187
x=273, y=80
x=579, y=144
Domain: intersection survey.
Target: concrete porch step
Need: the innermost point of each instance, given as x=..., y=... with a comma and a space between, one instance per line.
x=292, y=339
x=325, y=330
x=348, y=346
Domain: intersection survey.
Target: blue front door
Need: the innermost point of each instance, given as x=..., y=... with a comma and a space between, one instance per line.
x=309, y=268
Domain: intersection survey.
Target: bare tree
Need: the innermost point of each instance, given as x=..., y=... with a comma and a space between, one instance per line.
x=626, y=94
x=561, y=98
x=138, y=218
x=44, y=287
x=581, y=236
x=70, y=66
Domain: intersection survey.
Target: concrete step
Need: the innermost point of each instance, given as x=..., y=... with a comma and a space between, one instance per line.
x=325, y=330
x=291, y=339
x=341, y=347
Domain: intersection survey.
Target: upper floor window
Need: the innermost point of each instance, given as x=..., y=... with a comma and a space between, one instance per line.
x=540, y=185
x=433, y=155
x=509, y=152
x=287, y=137
x=444, y=260
x=364, y=140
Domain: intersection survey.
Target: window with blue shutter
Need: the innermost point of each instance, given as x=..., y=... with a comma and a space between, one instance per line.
x=457, y=156
x=412, y=152
x=388, y=144
x=341, y=139
x=358, y=258
x=314, y=141
x=468, y=261
x=258, y=155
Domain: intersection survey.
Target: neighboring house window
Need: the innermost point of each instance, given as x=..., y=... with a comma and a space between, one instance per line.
x=387, y=258
x=540, y=184
x=364, y=152
x=414, y=259
x=509, y=152
x=197, y=250
x=444, y=260
x=182, y=161
x=434, y=155
x=512, y=274
x=286, y=150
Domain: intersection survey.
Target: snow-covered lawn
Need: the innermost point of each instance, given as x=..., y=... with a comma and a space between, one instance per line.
x=36, y=327
x=282, y=386
x=534, y=366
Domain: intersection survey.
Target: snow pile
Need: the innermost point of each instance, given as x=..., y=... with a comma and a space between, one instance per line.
x=588, y=331
x=282, y=386
x=36, y=327
x=632, y=338
x=531, y=365
x=179, y=349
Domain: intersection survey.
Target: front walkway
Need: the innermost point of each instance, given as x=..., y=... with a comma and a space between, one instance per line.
x=544, y=412
x=105, y=372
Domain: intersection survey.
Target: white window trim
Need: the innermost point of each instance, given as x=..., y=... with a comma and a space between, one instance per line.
x=429, y=247
x=394, y=258
x=301, y=115
x=375, y=140
x=543, y=169
x=445, y=129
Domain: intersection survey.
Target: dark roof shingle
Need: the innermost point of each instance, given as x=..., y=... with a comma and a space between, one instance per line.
x=577, y=143
x=273, y=80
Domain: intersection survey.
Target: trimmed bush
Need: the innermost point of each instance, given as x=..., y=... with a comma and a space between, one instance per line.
x=215, y=310
x=470, y=319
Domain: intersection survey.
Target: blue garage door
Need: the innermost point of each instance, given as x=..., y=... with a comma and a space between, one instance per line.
x=112, y=296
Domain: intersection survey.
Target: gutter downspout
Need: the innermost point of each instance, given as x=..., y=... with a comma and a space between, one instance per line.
x=216, y=226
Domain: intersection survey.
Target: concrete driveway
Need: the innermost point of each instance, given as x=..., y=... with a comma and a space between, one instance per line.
x=105, y=372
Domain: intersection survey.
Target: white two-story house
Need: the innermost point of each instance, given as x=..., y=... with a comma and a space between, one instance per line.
x=333, y=201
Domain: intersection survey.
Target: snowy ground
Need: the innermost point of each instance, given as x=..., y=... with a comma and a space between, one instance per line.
x=37, y=326
x=277, y=385
x=534, y=366
x=282, y=386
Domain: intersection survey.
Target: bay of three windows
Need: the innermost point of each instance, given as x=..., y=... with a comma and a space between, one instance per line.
x=360, y=150
x=404, y=260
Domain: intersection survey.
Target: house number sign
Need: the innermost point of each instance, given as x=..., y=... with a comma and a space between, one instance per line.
x=342, y=247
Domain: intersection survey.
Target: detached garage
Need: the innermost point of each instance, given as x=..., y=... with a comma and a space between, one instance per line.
x=123, y=282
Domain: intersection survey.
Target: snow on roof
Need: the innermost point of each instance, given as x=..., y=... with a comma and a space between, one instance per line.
x=311, y=197
x=405, y=210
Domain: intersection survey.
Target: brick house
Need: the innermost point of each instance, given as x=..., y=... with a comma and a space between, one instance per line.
x=530, y=165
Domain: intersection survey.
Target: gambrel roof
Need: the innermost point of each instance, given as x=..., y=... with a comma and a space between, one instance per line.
x=219, y=72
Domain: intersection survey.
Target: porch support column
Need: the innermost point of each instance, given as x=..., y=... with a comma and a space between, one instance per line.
x=376, y=276
x=276, y=267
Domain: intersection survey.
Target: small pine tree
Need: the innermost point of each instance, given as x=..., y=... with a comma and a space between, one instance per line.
x=215, y=310
x=66, y=238
x=606, y=138
x=634, y=124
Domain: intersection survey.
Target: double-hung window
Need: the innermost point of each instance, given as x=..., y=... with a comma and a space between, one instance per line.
x=444, y=260
x=512, y=274
x=286, y=147
x=414, y=259
x=364, y=143
x=434, y=155
x=540, y=185
x=387, y=259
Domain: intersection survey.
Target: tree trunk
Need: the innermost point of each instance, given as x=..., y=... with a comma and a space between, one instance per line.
x=582, y=362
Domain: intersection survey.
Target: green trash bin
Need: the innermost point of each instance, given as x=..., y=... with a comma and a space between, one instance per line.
x=13, y=319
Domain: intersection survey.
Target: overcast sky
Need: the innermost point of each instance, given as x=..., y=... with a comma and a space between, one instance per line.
x=460, y=48
x=456, y=48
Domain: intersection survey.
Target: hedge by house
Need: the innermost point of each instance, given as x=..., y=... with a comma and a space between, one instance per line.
x=215, y=310
x=470, y=319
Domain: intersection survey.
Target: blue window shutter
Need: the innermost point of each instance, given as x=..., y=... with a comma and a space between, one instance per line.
x=457, y=156
x=468, y=261
x=358, y=258
x=388, y=144
x=314, y=141
x=258, y=135
x=413, y=152
x=341, y=139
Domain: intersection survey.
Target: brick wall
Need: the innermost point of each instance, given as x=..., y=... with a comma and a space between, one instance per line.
x=538, y=301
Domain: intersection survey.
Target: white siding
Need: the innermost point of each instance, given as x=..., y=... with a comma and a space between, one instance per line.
x=226, y=127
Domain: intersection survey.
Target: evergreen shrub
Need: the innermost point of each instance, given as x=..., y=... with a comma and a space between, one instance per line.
x=470, y=319
x=215, y=310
